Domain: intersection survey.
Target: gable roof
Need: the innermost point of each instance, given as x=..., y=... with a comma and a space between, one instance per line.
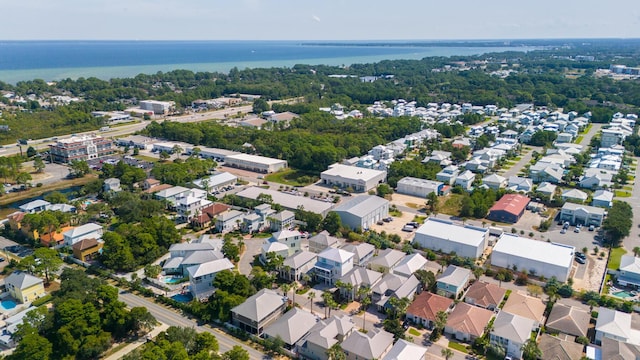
x=82, y=230
x=426, y=305
x=485, y=294
x=337, y=255
x=387, y=258
x=371, y=345
x=34, y=205
x=211, y=267
x=511, y=203
x=525, y=306
x=554, y=348
x=404, y=350
x=569, y=320
x=410, y=264
x=619, y=350
x=325, y=332
x=323, y=238
x=359, y=276
x=259, y=305
x=22, y=280
x=618, y=324
x=513, y=327
x=292, y=326
x=85, y=244
x=360, y=250
x=630, y=263
x=299, y=258
x=575, y=194
x=469, y=319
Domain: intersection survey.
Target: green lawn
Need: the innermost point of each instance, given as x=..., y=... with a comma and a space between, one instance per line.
x=458, y=346
x=292, y=177
x=614, y=258
x=622, y=193
x=579, y=139
x=414, y=332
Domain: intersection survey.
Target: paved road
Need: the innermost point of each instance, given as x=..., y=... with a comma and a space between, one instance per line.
x=586, y=139
x=526, y=158
x=172, y=318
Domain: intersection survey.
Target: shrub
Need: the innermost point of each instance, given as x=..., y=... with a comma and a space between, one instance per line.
x=41, y=301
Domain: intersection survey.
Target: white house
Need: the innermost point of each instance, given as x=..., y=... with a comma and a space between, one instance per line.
x=465, y=180
x=602, y=198
x=582, y=214
x=201, y=277
x=228, y=221
x=288, y=237
x=86, y=231
x=332, y=265
x=510, y=332
x=520, y=184
x=190, y=206
x=448, y=175
x=34, y=206
x=616, y=325
x=495, y=181
x=574, y=195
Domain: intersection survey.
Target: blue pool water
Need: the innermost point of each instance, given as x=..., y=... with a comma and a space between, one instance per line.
x=171, y=279
x=185, y=298
x=7, y=305
x=622, y=294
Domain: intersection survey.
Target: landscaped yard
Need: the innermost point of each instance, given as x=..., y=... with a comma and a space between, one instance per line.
x=622, y=193
x=414, y=332
x=291, y=177
x=614, y=258
x=458, y=346
x=579, y=139
x=146, y=158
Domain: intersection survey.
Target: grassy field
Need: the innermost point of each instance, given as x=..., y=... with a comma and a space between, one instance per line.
x=37, y=191
x=614, y=258
x=292, y=177
x=414, y=332
x=622, y=193
x=579, y=139
x=458, y=346
x=450, y=204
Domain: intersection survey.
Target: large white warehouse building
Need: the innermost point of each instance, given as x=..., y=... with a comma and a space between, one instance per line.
x=445, y=236
x=357, y=178
x=539, y=257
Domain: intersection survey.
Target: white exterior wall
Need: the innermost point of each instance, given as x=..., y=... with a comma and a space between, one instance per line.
x=415, y=190
x=364, y=222
x=447, y=246
x=505, y=260
x=356, y=184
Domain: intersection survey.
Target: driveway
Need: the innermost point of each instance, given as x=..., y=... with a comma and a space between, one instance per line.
x=253, y=247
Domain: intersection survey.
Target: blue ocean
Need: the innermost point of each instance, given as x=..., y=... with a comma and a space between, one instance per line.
x=54, y=60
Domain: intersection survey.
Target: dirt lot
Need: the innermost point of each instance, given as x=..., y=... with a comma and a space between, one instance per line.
x=589, y=276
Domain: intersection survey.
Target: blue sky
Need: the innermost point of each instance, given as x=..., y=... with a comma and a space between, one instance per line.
x=317, y=20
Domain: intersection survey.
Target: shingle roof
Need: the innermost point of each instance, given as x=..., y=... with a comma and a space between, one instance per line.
x=300, y=258
x=387, y=258
x=85, y=244
x=22, y=280
x=569, y=320
x=512, y=327
x=360, y=276
x=259, y=305
x=410, y=264
x=454, y=275
x=325, y=332
x=371, y=345
x=426, y=305
x=404, y=350
x=485, y=294
x=525, y=306
x=210, y=267
x=557, y=349
x=337, y=255
x=82, y=230
x=323, y=238
x=292, y=326
x=469, y=319
x=618, y=350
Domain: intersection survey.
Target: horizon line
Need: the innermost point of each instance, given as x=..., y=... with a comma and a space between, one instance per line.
x=343, y=40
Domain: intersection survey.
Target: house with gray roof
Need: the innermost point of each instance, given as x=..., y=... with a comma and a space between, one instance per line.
x=510, y=332
x=291, y=327
x=453, y=281
x=495, y=181
x=568, y=320
x=363, y=253
x=386, y=260
x=298, y=264
x=201, y=277
x=618, y=350
x=86, y=231
x=575, y=195
x=410, y=264
x=282, y=220
x=34, y=206
x=559, y=349
x=288, y=237
x=520, y=184
x=372, y=345
x=358, y=277
x=602, y=198
x=617, y=325
x=324, y=335
x=258, y=311
x=333, y=264
x=393, y=285
x=582, y=214
x=547, y=189
x=321, y=241
x=229, y=221
x=361, y=212
x=404, y=350
x=629, y=271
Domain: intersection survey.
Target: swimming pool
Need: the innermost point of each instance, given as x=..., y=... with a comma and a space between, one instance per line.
x=622, y=294
x=172, y=279
x=185, y=298
x=7, y=305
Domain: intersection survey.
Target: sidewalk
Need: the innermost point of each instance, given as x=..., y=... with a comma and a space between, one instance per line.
x=130, y=347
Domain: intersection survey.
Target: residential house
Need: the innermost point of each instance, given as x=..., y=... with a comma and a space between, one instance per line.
x=510, y=332
x=467, y=322
x=189, y=207
x=87, y=249
x=363, y=253
x=595, y=178
x=332, y=265
x=495, y=181
x=251, y=223
x=258, y=311
x=618, y=326
x=291, y=327
x=448, y=175
x=526, y=306
x=111, y=185
x=425, y=307
x=559, y=349
x=24, y=287
x=442, y=158
x=357, y=278
x=404, y=350
x=171, y=195
x=56, y=237
x=485, y=295
x=86, y=231
x=547, y=189
x=541, y=172
x=575, y=195
x=393, y=285
x=410, y=264
x=386, y=260
x=629, y=271
x=201, y=277
x=208, y=214
x=569, y=320
x=618, y=350
x=10, y=327
x=582, y=214
x=298, y=264
x=465, y=180
x=277, y=248
x=321, y=241
x=149, y=184
x=228, y=221
x=34, y=206
x=324, y=335
x=282, y=220
x=602, y=198
x=288, y=237
x=453, y=281
x=520, y=184
x=373, y=345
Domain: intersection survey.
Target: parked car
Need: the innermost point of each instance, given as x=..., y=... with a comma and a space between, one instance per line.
x=387, y=219
x=580, y=260
x=380, y=222
x=581, y=255
x=591, y=227
x=408, y=228
x=576, y=230
x=563, y=231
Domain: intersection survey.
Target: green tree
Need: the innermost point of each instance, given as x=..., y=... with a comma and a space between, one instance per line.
x=335, y=352
x=446, y=353
x=39, y=165
x=236, y=353
x=260, y=105
x=531, y=351
x=164, y=156
x=141, y=319
x=152, y=271
x=23, y=178
x=32, y=346
x=617, y=224
x=56, y=197
x=440, y=321
x=31, y=152
x=427, y=278
x=79, y=168
x=50, y=262
x=332, y=223
x=383, y=190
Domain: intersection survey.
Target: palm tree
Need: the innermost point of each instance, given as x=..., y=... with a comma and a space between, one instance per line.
x=592, y=303
x=177, y=149
x=636, y=251
x=336, y=353
x=311, y=296
x=327, y=297
x=285, y=289
x=531, y=351
x=477, y=272
x=446, y=353
x=440, y=321
x=500, y=278
x=365, y=302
